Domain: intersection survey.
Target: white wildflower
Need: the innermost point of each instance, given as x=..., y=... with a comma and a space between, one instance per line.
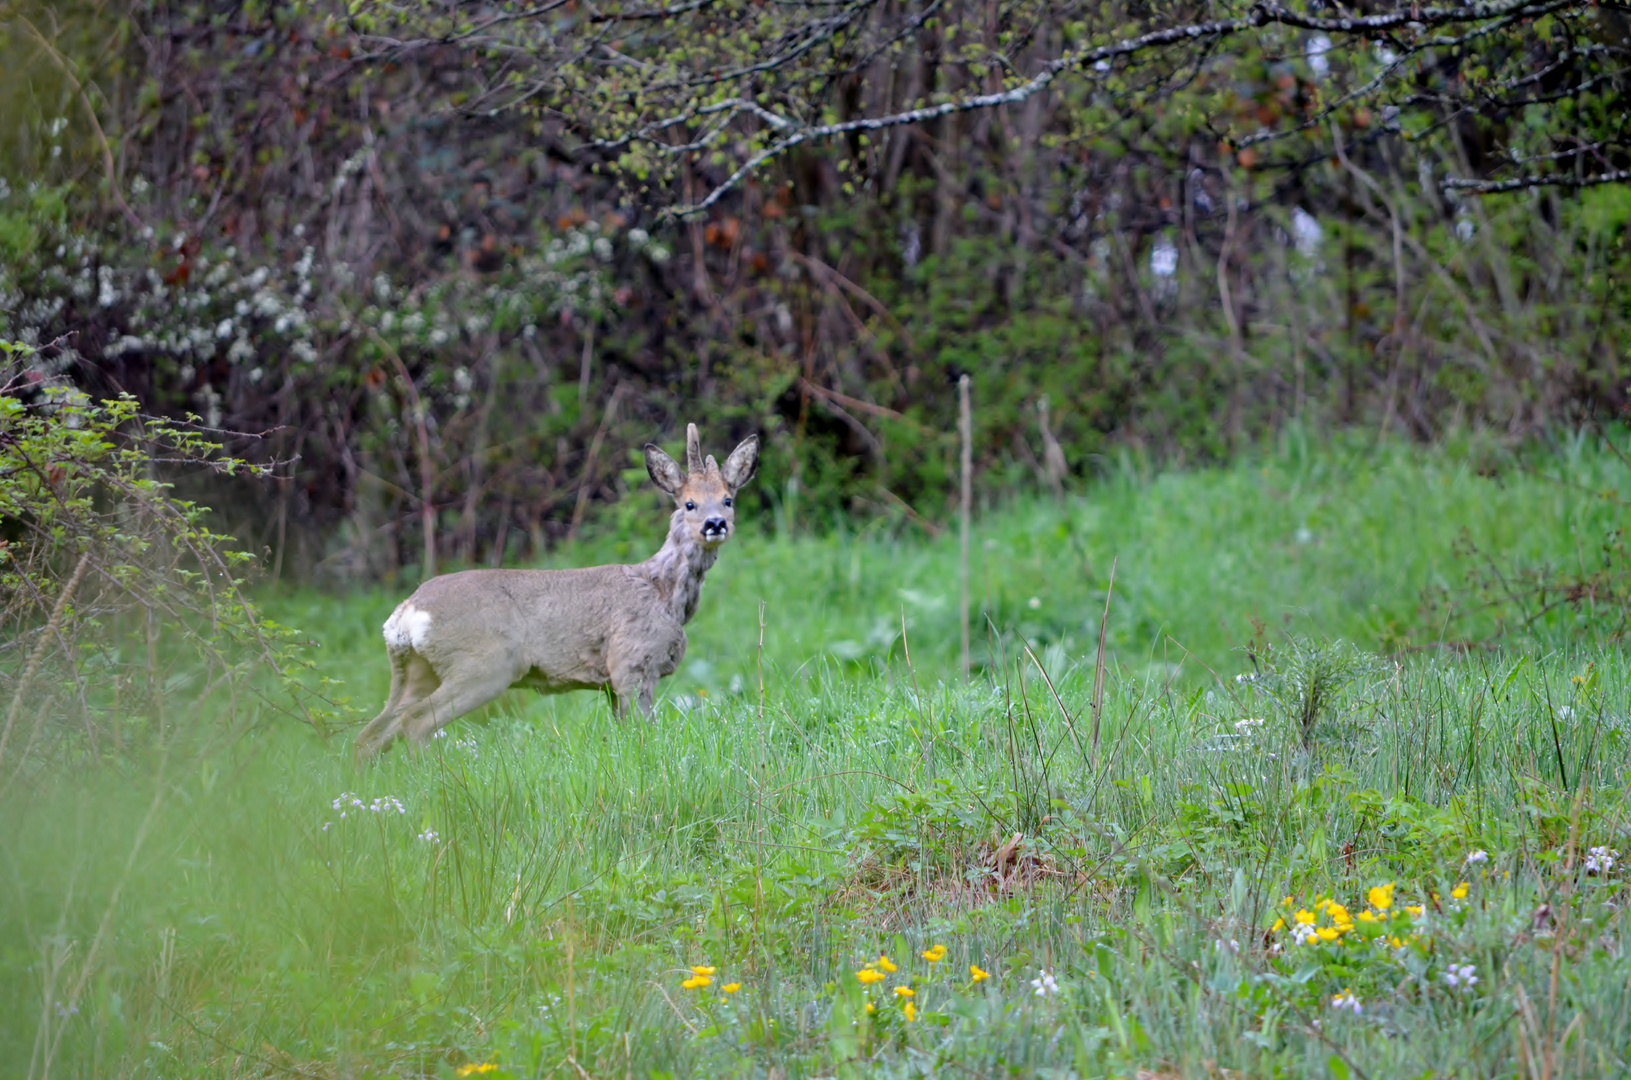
x=1600, y=860
x=1346, y=1001
x=1476, y=857
x=1462, y=978
x=1044, y=985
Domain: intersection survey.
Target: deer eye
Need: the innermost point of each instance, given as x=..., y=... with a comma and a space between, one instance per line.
x=689, y=505
x=727, y=502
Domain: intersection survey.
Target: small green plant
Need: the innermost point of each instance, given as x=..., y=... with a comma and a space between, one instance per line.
x=115, y=594
x=1307, y=678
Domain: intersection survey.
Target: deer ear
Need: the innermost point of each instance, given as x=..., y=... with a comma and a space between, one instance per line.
x=665, y=471
x=742, y=464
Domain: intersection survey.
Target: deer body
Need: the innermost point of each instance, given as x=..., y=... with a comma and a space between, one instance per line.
x=462, y=639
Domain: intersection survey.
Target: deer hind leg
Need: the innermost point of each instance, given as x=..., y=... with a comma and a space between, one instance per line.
x=368, y=740
x=459, y=693
x=412, y=680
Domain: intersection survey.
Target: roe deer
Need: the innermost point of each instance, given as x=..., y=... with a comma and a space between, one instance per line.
x=462, y=639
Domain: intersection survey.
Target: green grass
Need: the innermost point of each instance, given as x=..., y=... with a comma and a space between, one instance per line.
x=208, y=912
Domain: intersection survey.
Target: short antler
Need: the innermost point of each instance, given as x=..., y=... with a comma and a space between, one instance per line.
x=693, y=450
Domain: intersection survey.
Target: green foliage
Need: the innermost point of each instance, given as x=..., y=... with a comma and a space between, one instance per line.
x=470, y=306
x=115, y=593
x=537, y=889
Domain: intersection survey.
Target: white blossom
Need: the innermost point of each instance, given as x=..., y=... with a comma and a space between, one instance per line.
x=1044, y=985
x=1164, y=257
x=1318, y=62
x=1306, y=232
x=1462, y=978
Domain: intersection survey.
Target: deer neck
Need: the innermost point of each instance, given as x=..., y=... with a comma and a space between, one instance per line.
x=678, y=568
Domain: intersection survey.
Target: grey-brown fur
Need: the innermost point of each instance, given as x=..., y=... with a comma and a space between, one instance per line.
x=462, y=639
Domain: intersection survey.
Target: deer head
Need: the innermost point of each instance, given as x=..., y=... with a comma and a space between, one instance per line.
x=704, y=491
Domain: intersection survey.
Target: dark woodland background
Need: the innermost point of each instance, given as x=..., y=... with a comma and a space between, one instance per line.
x=439, y=315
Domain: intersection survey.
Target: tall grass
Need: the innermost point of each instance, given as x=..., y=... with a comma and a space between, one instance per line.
x=265, y=909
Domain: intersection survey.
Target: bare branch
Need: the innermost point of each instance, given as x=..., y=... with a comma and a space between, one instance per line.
x=1495, y=187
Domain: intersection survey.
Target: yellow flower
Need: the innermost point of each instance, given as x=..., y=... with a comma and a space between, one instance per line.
x=871, y=1008
x=1322, y=903
x=1415, y=909
x=904, y=991
x=868, y=976
x=1304, y=916
x=698, y=970
x=1366, y=916
x=1395, y=942
x=1328, y=933
x=1339, y=914
x=696, y=982
x=472, y=1069
x=885, y=963
x=1460, y=891
x=1381, y=896
x=1286, y=902
x=977, y=973
x=1279, y=925
x=934, y=954
x=911, y=1012
x=731, y=988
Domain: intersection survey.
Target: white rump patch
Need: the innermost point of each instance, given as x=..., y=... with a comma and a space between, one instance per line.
x=407, y=627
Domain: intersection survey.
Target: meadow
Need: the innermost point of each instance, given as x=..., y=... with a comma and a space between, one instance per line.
x=1315, y=823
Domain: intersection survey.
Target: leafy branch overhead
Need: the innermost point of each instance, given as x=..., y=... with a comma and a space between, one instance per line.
x=714, y=91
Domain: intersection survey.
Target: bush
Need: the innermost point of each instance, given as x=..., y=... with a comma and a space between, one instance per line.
x=115, y=595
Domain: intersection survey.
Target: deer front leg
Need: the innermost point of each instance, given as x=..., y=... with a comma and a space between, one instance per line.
x=635, y=686
x=638, y=657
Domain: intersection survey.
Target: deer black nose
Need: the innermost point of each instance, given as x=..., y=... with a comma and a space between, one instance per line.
x=716, y=526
